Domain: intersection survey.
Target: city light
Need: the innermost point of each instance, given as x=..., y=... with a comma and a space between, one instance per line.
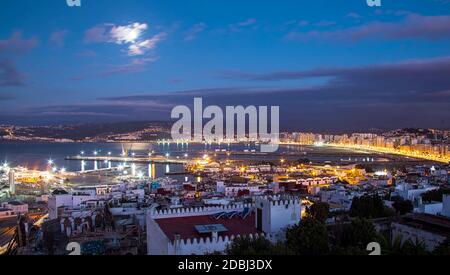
x=95, y=153
x=50, y=162
x=381, y=173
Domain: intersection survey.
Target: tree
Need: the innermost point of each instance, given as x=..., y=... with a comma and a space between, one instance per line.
x=368, y=206
x=319, y=211
x=414, y=248
x=435, y=195
x=399, y=247
x=359, y=233
x=443, y=249
x=402, y=206
x=245, y=246
x=310, y=237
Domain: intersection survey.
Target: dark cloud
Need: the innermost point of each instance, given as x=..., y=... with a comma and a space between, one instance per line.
x=16, y=45
x=414, y=93
x=413, y=26
x=9, y=49
x=9, y=76
x=415, y=78
x=404, y=94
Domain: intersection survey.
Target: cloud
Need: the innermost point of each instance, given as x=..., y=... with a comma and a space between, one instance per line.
x=16, y=45
x=134, y=66
x=9, y=76
x=140, y=48
x=413, y=26
x=353, y=15
x=354, y=99
x=386, y=95
x=131, y=35
x=128, y=34
x=240, y=26
x=303, y=23
x=97, y=34
x=193, y=32
x=10, y=49
x=325, y=23
x=404, y=94
x=57, y=38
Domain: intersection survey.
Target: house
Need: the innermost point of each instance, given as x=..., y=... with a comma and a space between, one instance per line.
x=6, y=213
x=211, y=229
x=16, y=207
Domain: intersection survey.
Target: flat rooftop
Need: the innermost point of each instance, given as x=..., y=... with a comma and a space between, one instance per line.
x=186, y=226
x=436, y=224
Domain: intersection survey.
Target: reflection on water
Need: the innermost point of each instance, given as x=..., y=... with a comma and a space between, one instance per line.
x=36, y=155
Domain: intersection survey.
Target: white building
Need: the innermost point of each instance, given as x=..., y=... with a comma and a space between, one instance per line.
x=412, y=192
x=6, y=213
x=17, y=208
x=198, y=231
x=65, y=200
x=446, y=206
x=12, y=182
x=275, y=215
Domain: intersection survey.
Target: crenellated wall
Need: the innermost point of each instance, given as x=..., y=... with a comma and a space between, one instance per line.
x=201, y=246
x=197, y=211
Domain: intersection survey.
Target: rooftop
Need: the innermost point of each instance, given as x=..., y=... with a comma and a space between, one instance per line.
x=186, y=226
x=432, y=223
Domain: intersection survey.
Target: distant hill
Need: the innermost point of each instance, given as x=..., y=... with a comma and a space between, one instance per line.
x=139, y=130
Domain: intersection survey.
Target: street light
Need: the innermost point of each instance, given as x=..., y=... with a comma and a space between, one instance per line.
x=50, y=162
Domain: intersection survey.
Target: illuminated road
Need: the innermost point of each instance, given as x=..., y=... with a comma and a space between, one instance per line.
x=383, y=151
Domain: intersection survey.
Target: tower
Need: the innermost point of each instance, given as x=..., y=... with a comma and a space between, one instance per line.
x=12, y=182
x=275, y=214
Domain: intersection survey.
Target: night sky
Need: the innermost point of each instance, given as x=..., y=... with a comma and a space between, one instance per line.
x=331, y=65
